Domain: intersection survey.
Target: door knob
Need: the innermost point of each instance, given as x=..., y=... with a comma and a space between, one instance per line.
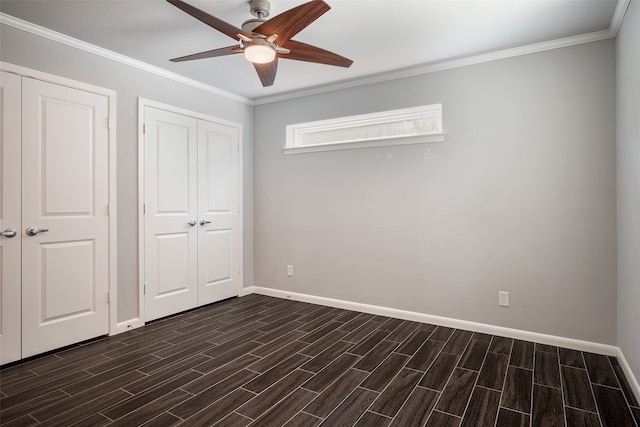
x=32, y=231
x=192, y=222
x=204, y=221
x=9, y=233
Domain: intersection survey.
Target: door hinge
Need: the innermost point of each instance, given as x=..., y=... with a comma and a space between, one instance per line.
x=144, y=129
x=144, y=289
x=108, y=297
x=108, y=209
x=144, y=208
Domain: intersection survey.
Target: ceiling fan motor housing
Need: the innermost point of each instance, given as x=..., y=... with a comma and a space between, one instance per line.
x=251, y=24
x=260, y=8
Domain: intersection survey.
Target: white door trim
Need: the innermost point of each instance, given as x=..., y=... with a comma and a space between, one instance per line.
x=142, y=104
x=111, y=95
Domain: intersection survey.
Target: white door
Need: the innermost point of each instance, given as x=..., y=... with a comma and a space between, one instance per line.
x=171, y=202
x=10, y=217
x=64, y=216
x=218, y=212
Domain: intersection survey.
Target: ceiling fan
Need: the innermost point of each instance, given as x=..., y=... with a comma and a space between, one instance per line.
x=264, y=41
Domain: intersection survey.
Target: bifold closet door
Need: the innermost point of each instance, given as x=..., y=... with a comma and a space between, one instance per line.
x=65, y=258
x=10, y=218
x=218, y=212
x=191, y=212
x=171, y=213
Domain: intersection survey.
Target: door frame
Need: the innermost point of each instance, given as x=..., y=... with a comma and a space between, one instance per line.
x=142, y=104
x=112, y=294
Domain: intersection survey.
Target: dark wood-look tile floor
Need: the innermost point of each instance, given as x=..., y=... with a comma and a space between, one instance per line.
x=262, y=361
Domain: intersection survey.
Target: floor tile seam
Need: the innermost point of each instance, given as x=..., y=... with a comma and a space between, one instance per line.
x=37, y=396
x=161, y=383
x=391, y=381
x=171, y=363
x=533, y=385
x=287, y=356
x=593, y=394
x=429, y=388
x=415, y=370
x=403, y=340
x=336, y=406
x=626, y=398
x=441, y=392
x=475, y=383
x=504, y=380
x=209, y=403
x=432, y=361
x=365, y=338
x=302, y=411
x=520, y=367
x=137, y=367
x=469, y=341
x=326, y=367
x=484, y=358
x=513, y=410
x=366, y=409
x=432, y=339
x=247, y=390
x=446, y=413
x=580, y=409
x=489, y=388
x=237, y=413
x=282, y=399
x=562, y=390
x=547, y=385
x=563, y=365
x=612, y=388
x=556, y=351
x=69, y=410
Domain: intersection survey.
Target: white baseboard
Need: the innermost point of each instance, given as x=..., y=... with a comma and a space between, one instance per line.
x=246, y=291
x=608, y=350
x=633, y=382
x=588, y=346
x=127, y=325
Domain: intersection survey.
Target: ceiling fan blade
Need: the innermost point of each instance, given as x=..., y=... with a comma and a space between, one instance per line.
x=306, y=52
x=229, y=50
x=218, y=24
x=289, y=23
x=267, y=72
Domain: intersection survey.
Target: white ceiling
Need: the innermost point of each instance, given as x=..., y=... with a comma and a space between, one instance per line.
x=380, y=36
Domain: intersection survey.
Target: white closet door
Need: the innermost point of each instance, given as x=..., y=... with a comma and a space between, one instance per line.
x=218, y=212
x=10, y=218
x=64, y=191
x=170, y=213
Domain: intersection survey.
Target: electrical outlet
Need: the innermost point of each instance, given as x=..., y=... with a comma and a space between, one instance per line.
x=503, y=299
x=289, y=270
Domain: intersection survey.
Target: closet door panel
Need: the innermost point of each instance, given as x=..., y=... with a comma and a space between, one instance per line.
x=65, y=216
x=218, y=211
x=170, y=213
x=10, y=217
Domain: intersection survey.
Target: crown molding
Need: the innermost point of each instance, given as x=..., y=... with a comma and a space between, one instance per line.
x=618, y=16
x=432, y=67
x=611, y=32
x=108, y=54
x=445, y=65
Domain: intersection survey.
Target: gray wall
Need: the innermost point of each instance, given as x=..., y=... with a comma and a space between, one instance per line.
x=520, y=197
x=628, y=134
x=21, y=48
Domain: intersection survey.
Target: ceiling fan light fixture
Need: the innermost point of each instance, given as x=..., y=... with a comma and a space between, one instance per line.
x=259, y=52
